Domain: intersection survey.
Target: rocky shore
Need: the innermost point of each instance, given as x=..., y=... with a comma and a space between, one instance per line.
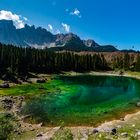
x=116, y=129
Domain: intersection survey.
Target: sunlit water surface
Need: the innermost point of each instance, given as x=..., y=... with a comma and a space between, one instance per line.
x=83, y=100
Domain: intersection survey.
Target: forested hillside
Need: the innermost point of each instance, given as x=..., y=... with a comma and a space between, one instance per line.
x=23, y=60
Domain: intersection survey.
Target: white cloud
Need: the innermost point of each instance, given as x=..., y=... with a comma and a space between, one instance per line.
x=50, y=27
x=66, y=27
x=18, y=20
x=76, y=12
x=58, y=31
x=25, y=18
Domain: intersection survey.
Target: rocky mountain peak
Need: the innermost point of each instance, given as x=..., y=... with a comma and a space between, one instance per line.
x=90, y=43
x=41, y=38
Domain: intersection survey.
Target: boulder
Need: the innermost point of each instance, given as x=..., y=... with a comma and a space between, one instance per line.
x=122, y=119
x=113, y=131
x=138, y=133
x=138, y=104
x=39, y=135
x=4, y=85
x=19, y=133
x=125, y=134
x=95, y=131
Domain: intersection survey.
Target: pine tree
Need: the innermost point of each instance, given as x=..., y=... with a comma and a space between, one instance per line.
x=126, y=62
x=137, y=66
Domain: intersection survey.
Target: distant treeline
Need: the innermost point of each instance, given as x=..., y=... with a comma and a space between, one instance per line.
x=127, y=61
x=23, y=60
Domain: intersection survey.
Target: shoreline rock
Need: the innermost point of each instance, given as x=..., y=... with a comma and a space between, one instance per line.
x=138, y=104
x=5, y=85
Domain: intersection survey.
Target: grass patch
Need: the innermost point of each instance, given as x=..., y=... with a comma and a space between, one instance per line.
x=6, y=126
x=133, y=73
x=63, y=134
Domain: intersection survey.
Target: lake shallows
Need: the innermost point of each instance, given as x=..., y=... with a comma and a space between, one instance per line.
x=83, y=100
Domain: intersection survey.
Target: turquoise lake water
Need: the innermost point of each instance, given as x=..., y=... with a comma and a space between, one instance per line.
x=84, y=100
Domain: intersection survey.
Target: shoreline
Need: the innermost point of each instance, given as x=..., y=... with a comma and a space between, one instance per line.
x=104, y=73
x=114, y=121
x=105, y=127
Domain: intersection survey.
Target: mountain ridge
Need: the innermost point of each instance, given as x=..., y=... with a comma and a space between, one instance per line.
x=39, y=37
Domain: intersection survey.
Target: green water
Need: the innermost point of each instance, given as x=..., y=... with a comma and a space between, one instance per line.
x=79, y=100
x=83, y=100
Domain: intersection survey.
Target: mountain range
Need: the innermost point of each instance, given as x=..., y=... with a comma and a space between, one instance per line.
x=30, y=36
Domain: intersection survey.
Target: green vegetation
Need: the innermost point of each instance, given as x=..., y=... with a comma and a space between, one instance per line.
x=36, y=89
x=137, y=66
x=16, y=61
x=63, y=134
x=125, y=62
x=5, y=126
x=70, y=99
x=60, y=101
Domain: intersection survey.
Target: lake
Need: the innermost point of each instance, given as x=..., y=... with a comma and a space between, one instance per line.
x=83, y=100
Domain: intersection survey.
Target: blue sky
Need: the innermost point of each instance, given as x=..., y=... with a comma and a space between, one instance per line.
x=115, y=22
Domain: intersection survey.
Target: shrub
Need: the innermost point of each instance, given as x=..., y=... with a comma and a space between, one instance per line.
x=63, y=134
x=5, y=126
